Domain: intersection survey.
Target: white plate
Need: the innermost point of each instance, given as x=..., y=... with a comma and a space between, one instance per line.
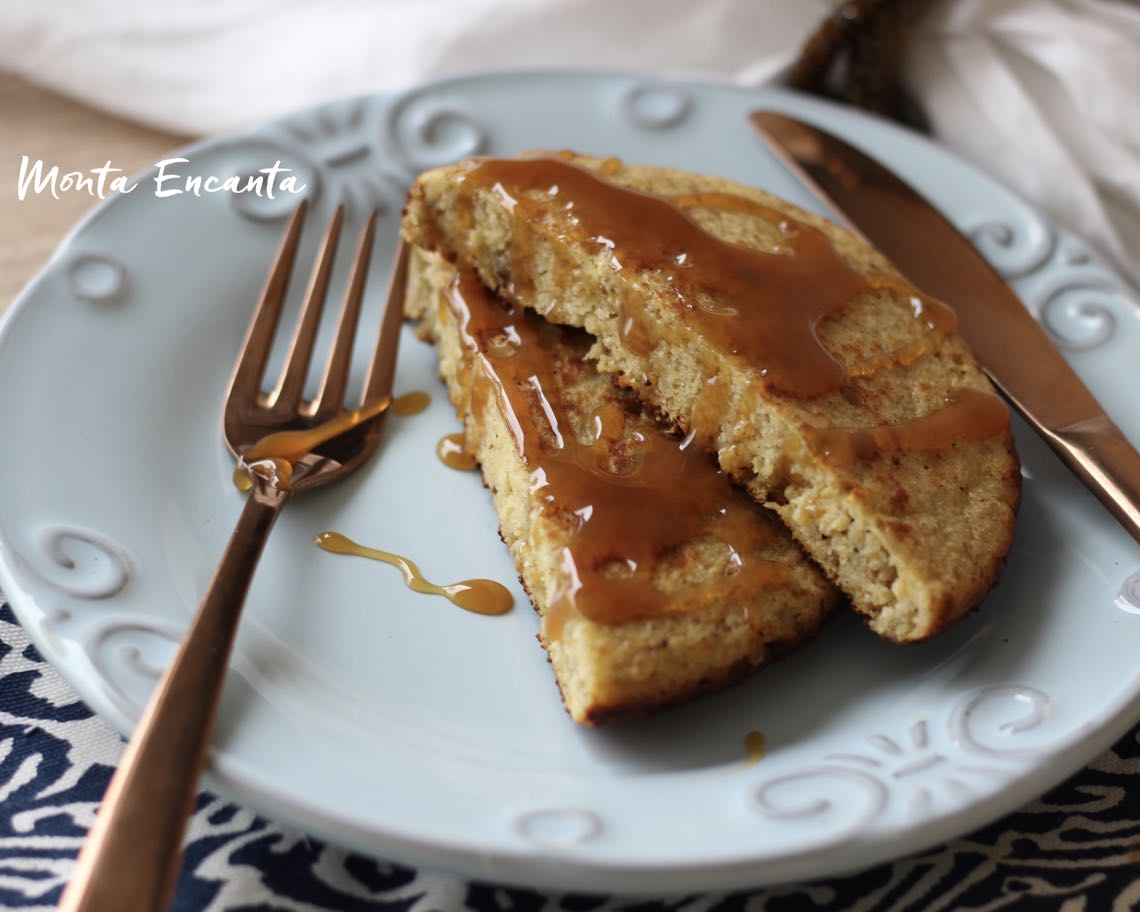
x=402, y=726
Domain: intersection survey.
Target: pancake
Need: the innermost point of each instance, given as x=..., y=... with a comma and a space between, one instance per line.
x=655, y=578
x=826, y=385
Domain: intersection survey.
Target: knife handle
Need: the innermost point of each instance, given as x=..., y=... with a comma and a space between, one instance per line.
x=1106, y=462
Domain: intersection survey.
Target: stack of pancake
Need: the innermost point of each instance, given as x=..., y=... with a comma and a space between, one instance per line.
x=706, y=418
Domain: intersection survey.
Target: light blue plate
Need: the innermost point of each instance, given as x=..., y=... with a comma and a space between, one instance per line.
x=402, y=726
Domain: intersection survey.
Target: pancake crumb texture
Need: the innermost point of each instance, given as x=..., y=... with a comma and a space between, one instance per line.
x=825, y=384
x=644, y=602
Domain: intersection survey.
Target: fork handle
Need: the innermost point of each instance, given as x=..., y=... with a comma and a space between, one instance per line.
x=131, y=857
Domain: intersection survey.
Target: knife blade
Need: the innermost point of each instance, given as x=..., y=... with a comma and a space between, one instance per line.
x=1016, y=353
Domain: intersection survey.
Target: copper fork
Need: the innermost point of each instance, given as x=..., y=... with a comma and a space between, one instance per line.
x=285, y=444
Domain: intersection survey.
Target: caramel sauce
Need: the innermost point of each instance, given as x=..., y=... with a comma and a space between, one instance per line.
x=629, y=496
x=764, y=307
x=711, y=406
x=754, y=745
x=274, y=469
x=480, y=596
x=452, y=452
x=411, y=403
x=899, y=357
x=733, y=202
x=610, y=167
x=936, y=315
x=968, y=414
x=272, y=457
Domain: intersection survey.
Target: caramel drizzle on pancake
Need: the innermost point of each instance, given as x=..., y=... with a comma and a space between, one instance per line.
x=969, y=414
x=629, y=496
x=762, y=306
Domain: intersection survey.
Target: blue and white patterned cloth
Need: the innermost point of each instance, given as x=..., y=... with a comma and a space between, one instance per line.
x=1077, y=849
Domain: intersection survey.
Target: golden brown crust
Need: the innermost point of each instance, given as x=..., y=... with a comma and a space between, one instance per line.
x=914, y=538
x=714, y=681
x=707, y=635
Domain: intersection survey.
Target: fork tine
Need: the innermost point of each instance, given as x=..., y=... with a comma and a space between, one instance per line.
x=330, y=400
x=246, y=380
x=380, y=373
x=286, y=397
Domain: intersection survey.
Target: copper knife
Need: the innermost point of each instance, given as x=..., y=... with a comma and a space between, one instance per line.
x=881, y=208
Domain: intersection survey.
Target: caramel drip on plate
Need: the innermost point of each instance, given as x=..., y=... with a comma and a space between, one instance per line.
x=452, y=452
x=411, y=403
x=754, y=745
x=762, y=306
x=969, y=414
x=273, y=456
x=629, y=497
x=480, y=596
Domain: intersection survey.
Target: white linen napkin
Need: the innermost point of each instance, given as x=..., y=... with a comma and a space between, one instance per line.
x=1044, y=94
x=1041, y=93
